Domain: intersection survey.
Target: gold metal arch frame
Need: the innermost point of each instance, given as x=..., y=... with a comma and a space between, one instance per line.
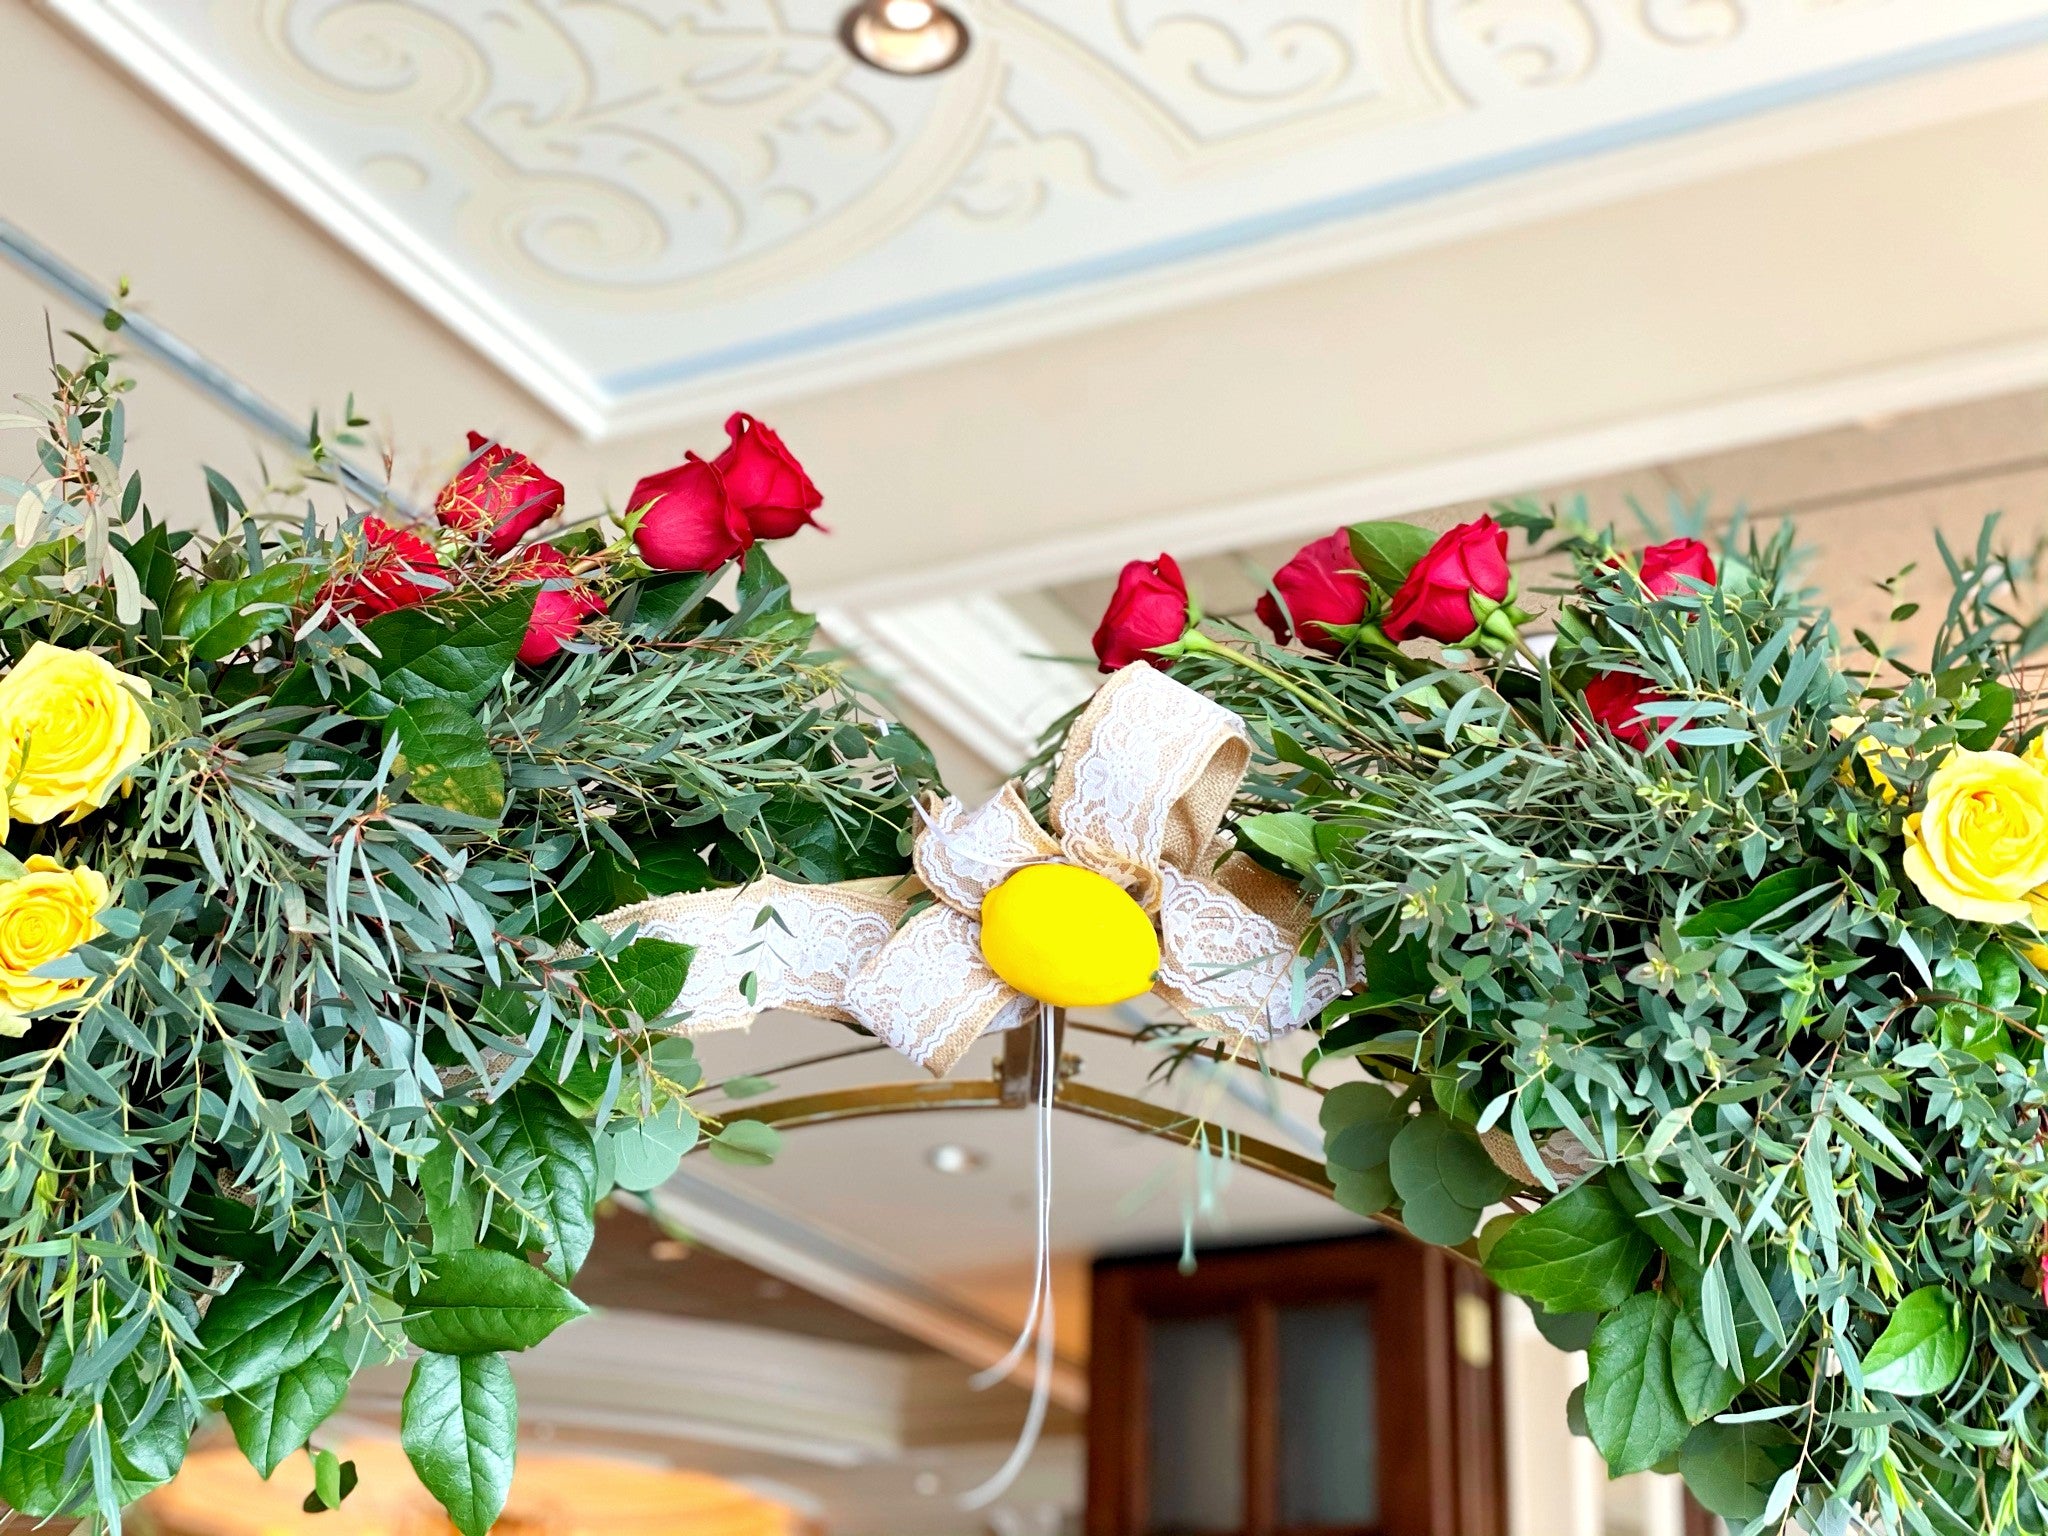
x=1010, y=1088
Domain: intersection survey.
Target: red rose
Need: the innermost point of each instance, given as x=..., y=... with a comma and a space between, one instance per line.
x=1616, y=699
x=1149, y=608
x=559, y=608
x=1322, y=587
x=398, y=570
x=1436, y=599
x=765, y=481
x=1664, y=564
x=683, y=520
x=497, y=493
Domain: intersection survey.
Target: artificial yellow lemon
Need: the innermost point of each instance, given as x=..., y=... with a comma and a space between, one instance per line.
x=1069, y=937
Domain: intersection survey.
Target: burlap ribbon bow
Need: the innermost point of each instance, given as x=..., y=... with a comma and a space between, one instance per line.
x=1142, y=785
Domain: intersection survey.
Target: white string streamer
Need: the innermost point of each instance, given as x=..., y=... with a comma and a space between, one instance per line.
x=1038, y=1321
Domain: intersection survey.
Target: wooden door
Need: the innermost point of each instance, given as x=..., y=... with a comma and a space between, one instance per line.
x=1345, y=1388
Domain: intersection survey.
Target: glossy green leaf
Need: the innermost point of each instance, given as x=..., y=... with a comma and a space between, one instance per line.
x=262, y=1328
x=663, y=602
x=1568, y=1331
x=1289, y=836
x=1979, y=727
x=38, y=1431
x=481, y=1301
x=446, y=753
x=1387, y=550
x=218, y=618
x=455, y=652
x=1770, y=895
x=1704, y=1386
x=643, y=980
x=333, y=1481
x=459, y=1424
x=1578, y=1253
x=1731, y=1468
x=533, y=1132
x=449, y=1192
x=1923, y=1347
x=1633, y=1411
x=273, y=1418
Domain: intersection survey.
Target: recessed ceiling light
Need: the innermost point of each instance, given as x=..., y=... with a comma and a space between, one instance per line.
x=951, y=1157
x=904, y=37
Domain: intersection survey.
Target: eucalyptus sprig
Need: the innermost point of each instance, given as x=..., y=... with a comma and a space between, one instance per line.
x=349, y=1066
x=1654, y=968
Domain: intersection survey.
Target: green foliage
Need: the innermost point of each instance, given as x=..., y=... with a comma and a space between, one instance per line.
x=1922, y=1349
x=481, y=1301
x=459, y=1425
x=1633, y=1410
x=1578, y=1253
x=347, y=1076
x=1785, y=1120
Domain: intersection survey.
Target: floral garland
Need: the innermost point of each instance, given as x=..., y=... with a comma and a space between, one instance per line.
x=1711, y=947
x=309, y=1044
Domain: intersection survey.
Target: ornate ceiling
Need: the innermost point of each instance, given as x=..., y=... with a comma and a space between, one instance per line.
x=637, y=206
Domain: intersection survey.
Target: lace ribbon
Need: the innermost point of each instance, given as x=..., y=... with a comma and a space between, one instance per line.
x=1142, y=785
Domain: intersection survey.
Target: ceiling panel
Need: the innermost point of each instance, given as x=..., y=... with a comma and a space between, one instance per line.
x=637, y=205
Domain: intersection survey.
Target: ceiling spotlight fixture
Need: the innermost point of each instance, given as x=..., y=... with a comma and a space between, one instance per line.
x=951, y=1157
x=904, y=37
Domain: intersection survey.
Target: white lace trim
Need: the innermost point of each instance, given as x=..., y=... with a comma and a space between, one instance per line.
x=799, y=943
x=1150, y=770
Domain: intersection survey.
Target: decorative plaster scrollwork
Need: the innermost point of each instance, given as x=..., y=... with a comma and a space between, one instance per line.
x=1496, y=49
x=1690, y=22
x=610, y=143
x=1215, y=73
x=1018, y=171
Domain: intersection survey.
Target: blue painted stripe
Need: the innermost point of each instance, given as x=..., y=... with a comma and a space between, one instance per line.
x=186, y=360
x=1349, y=205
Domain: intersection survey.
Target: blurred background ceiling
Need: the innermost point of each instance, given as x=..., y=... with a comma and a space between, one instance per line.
x=1199, y=275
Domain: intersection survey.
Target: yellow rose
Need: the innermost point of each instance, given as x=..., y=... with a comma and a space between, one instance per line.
x=71, y=728
x=44, y=913
x=1980, y=846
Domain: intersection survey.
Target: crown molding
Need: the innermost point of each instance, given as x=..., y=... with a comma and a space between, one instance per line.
x=207, y=97
x=1915, y=86
x=1765, y=416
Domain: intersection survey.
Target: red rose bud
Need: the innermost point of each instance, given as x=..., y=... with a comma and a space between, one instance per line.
x=398, y=570
x=559, y=608
x=1665, y=565
x=1322, y=587
x=1616, y=699
x=2044, y=1278
x=765, y=481
x=1149, y=608
x=683, y=520
x=497, y=496
x=1436, y=600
